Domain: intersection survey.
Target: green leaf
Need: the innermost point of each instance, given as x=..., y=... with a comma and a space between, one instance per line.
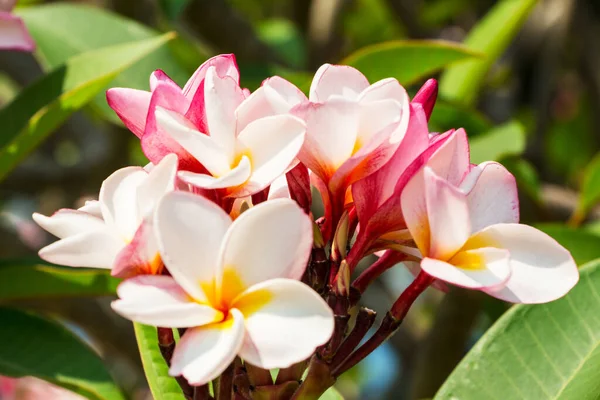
x=491, y=36
x=407, y=61
x=590, y=188
x=36, y=346
x=162, y=386
x=331, y=394
x=502, y=141
x=26, y=280
x=583, y=245
x=63, y=30
x=44, y=105
x=545, y=351
x=448, y=116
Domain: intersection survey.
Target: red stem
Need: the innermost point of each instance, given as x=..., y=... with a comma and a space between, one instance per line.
x=390, y=323
x=385, y=262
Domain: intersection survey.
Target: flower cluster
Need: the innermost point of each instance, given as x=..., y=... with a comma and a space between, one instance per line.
x=216, y=234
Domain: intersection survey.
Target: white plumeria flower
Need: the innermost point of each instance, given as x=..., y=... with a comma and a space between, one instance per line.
x=233, y=284
x=245, y=147
x=114, y=232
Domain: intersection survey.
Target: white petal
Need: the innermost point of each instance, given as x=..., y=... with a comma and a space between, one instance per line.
x=338, y=80
x=222, y=96
x=542, y=270
x=236, y=177
x=492, y=196
x=158, y=300
x=279, y=189
x=118, y=200
x=66, y=222
x=276, y=96
x=203, y=353
x=448, y=215
x=92, y=207
x=331, y=131
x=94, y=249
x=273, y=143
x=377, y=116
x=271, y=240
x=285, y=321
x=199, y=145
x=159, y=181
x=473, y=269
x=190, y=230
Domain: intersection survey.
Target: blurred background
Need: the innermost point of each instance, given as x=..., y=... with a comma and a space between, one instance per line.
x=525, y=84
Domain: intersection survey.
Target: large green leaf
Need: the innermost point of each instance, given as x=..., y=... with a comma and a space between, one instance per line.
x=44, y=105
x=163, y=386
x=448, y=116
x=407, y=61
x=502, y=141
x=35, y=346
x=583, y=245
x=590, y=188
x=541, y=352
x=63, y=30
x=491, y=36
x=25, y=280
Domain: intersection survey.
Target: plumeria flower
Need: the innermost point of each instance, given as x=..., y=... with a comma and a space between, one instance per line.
x=114, y=232
x=233, y=285
x=464, y=222
x=13, y=33
x=136, y=108
x=243, y=148
x=377, y=197
x=277, y=190
x=353, y=128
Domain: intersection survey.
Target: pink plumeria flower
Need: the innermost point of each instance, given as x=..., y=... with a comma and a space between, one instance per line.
x=243, y=147
x=353, y=128
x=377, y=197
x=136, y=108
x=464, y=222
x=234, y=285
x=114, y=232
x=13, y=33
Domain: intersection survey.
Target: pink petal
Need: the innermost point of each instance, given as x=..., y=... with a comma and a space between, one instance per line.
x=331, y=130
x=426, y=96
x=448, y=216
x=14, y=34
x=140, y=256
x=203, y=353
x=285, y=322
x=542, y=270
x=157, y=143
x=131, y=105
x=338, y=80
x=298, y=181
x=492, y=196
x=199, y=145
x=159, y=76
x=474, y=269
x=371, y=192
x=159, y=301
x=224, y=64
